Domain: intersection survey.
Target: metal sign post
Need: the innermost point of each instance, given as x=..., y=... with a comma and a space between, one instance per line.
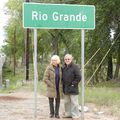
x=82, y=72
x=35, y=73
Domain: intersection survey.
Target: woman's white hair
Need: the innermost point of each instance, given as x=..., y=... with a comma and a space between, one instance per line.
x=55, y=57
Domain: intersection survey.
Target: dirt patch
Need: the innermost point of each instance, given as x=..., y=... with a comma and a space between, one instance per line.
x=10, y=98
x=20, y=106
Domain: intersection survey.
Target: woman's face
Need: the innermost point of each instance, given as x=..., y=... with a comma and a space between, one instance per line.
x=54, y=62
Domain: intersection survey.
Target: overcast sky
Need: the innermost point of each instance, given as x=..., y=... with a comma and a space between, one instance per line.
x=3, y=21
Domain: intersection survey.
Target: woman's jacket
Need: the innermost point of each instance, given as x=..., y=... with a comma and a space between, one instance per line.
x=49, y=79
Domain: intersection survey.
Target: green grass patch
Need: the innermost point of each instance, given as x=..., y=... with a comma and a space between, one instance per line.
x=109, y=84
x=102, y=96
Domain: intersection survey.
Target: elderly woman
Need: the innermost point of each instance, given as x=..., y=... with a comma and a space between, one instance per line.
x=52, y=78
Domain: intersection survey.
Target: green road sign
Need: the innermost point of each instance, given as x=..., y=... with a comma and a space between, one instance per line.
x=58, y=16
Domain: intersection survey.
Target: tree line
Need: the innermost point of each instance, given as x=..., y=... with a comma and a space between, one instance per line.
x=102, y=49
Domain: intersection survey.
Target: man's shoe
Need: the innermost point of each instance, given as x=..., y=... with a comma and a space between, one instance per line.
x=75, y=118
x=64, y=116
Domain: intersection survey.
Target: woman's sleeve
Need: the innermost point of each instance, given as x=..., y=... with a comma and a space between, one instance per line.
x=46, y=78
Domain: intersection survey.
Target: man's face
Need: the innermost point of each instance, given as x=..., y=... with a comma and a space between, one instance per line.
x=68, y=60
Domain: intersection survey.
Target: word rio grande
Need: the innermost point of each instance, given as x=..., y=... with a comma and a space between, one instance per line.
x=56, y=16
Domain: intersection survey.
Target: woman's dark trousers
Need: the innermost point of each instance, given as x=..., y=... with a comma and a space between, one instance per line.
x=54, y=107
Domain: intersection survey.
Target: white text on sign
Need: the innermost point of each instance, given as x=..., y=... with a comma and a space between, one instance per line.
x=56, y=16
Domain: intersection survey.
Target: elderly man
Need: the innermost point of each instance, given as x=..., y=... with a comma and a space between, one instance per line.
x=71, y=77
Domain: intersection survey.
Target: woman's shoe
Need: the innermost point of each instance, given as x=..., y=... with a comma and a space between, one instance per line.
x=51, y=116
x=57, y=116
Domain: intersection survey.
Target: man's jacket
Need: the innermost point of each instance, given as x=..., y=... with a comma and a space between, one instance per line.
x=71, y=77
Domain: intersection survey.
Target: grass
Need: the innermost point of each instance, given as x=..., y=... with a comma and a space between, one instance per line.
x=106, y=95
x=101, y=95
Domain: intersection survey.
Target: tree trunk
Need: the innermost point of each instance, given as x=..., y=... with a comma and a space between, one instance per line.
x=55, y=43
x=110, y=68
x=14, y=51
x=118, y=64
x=27, y=52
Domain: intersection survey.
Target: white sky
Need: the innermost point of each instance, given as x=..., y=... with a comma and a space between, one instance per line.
x=3, y=21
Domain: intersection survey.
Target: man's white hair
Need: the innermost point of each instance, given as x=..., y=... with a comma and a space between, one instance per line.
x=68, y=55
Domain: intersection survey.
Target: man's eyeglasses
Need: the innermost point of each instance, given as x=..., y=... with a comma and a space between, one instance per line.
x=67, y=59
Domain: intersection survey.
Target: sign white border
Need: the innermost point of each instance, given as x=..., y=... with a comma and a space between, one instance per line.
x=58, y=5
